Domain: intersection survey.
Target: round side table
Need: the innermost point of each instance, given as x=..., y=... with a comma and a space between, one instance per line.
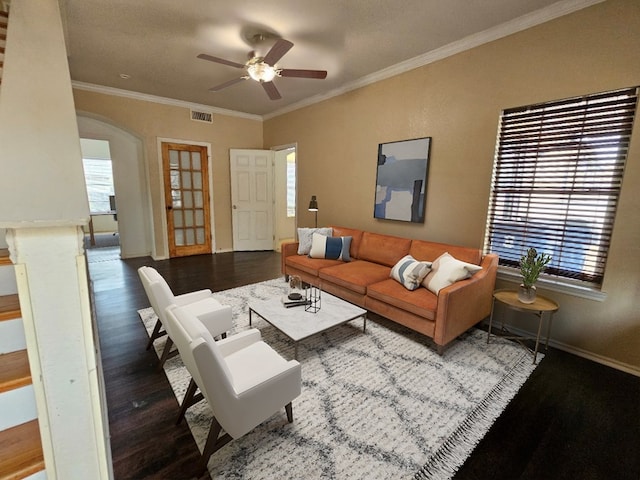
x=539, y=307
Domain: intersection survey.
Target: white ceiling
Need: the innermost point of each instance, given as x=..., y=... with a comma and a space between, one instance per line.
x=357, y=41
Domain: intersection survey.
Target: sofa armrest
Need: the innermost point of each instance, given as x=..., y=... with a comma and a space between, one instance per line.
x=286, y=250
x=465, y=303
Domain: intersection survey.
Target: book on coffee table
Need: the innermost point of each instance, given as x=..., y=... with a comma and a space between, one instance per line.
x=287, y=302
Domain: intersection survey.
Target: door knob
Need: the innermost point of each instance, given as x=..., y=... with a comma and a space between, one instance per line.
x=169, y=207
x=234, y=207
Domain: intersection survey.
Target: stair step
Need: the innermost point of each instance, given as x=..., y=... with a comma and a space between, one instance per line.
x=4, y=252
x=9, y=307
x=14, y=371
x=21, y=451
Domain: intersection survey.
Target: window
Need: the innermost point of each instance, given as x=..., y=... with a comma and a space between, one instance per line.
x=99, y=179
x=291, y=184
x=556, y=180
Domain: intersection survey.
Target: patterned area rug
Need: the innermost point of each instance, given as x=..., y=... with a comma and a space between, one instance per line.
x=376, y=405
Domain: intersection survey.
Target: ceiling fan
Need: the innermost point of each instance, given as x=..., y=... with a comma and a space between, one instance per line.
x=264, y=69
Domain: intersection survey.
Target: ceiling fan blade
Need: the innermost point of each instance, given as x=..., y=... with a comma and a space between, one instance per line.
x=292, y=72
x=227, y=84
x=278, y=50
x=211, y=58
x=271, y=90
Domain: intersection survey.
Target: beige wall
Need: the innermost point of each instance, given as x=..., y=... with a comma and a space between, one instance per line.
x=457, y=102
x=149, y=121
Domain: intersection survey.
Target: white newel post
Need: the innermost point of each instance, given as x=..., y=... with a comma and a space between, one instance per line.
x=54, y=300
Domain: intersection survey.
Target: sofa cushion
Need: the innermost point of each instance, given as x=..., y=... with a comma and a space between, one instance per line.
x=355, y=275
x=309, y=265
x=305, y=237
x=383, y=249
x=410, y=272
x=420, y=302
x=423, y=250
x=356, y=237
x=336, y=248
x=447, y=270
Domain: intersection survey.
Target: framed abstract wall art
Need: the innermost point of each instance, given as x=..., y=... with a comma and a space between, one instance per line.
x=401, y=181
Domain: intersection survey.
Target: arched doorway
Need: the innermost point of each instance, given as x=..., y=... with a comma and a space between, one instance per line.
x=130, y=184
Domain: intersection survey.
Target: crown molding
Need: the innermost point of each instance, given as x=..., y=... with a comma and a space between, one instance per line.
x=90, y=87
x=519, y=24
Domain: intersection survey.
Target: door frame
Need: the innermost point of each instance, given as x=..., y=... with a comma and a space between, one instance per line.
x=279, y=148
x=165, y=228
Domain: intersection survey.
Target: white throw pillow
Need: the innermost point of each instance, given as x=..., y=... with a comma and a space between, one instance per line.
x=305, y=236
x=446, y=271
x=335, y=248
x=410, y=272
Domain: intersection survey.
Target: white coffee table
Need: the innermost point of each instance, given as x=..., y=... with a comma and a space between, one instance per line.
x=297, y=324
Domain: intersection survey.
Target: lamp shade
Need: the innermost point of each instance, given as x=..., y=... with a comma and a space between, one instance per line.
x=313, y=204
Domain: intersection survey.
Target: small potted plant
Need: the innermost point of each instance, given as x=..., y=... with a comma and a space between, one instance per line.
x=531, y=265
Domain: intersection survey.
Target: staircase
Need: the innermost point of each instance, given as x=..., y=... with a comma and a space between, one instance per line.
x=20, y=446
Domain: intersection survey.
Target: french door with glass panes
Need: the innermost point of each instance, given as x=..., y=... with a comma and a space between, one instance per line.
x=186, y=187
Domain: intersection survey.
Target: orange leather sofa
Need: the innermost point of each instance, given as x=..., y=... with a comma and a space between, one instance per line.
x=365, y=281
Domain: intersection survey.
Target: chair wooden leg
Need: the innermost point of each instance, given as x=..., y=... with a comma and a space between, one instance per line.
x=156, y=334
x=165, y=353
x=289, y=409
x=190, y=398
x=212, y=445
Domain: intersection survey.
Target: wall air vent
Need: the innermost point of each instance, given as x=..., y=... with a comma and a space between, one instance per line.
x=197, y=116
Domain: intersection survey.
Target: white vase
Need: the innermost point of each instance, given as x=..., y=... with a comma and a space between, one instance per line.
x=527, y=294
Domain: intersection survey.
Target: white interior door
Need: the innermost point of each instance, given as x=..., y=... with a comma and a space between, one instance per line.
x=252, y=199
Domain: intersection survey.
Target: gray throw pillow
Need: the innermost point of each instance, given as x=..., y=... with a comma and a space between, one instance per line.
x=305, y=236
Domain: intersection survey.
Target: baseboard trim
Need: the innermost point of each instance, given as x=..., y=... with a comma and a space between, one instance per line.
x=594, y=357
x=166, y=257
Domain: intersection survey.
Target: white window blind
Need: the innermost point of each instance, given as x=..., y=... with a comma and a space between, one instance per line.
x=556, y=181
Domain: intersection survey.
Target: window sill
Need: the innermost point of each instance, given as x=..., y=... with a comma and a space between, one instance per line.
x=556, y=285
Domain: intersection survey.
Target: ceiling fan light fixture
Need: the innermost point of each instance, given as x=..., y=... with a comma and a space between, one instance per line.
x=263, y=69
x=262, y=72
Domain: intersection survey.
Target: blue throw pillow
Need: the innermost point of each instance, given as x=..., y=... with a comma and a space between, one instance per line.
x=335, y=248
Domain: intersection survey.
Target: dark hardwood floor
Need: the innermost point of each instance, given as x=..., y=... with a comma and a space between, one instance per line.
x=573, y=419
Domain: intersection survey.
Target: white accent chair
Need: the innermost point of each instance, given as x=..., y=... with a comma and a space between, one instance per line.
x=184, y=331
x=215, y=316
x=242, y=378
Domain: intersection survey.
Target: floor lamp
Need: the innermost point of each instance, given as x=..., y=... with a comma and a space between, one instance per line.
x=313, y=207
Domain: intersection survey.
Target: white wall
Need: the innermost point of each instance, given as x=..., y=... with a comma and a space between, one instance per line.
x=130, y=184
x=44, y=177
